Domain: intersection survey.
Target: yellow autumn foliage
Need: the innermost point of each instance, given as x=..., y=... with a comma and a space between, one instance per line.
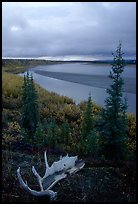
x=52, y=105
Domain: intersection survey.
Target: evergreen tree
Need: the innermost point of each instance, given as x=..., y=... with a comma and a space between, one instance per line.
x=89, y=138
x=30, y=105
x=52, y=133
x=39, y=136
x=114, y=115
x=66, y=134
x=87, y=124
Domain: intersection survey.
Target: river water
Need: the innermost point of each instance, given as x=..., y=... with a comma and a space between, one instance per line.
x=79, y=91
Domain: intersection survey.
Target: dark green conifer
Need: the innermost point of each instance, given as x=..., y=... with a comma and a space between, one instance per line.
x=87, y=124
x=89, y=137
x=52, y=133
x=114, y=115
x=39, y=136
x=30, y=105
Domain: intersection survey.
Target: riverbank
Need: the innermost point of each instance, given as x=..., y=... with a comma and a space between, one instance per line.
x=90, y=80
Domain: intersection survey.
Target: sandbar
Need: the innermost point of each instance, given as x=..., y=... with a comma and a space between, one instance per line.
x=100, y=81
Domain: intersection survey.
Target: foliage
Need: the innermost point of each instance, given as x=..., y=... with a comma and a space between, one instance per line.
x=89, y=141
x=63, y=109
x=39, y=136
x=52, y=133
x=30, y=105
x=92, y=144
x=66, y=133
x=88, y=123
x=11, y=134
x=65, y=138
x=62, y=119
x=96, y=108
x=11, y=85
x=11, y=91
x=58, y=136
x=114, y=115
x=131, y=133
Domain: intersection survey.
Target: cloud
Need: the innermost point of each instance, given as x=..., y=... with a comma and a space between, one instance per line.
x=68, y=28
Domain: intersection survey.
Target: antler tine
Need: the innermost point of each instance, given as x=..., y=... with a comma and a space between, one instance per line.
x=22, y=183
x=46, y=162
x=39, y=178
x=47, y=166
x=50, y=193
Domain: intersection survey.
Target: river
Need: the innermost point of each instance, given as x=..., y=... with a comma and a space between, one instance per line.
x=77, y=80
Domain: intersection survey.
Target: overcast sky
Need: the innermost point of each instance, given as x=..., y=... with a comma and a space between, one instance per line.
x=34, y=29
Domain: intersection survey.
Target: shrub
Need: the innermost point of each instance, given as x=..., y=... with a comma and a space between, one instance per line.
x=11, y=134
x=131, y=132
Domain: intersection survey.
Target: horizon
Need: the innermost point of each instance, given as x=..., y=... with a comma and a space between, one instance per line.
x=71, y=58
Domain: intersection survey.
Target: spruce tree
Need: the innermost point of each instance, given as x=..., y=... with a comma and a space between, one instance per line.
x=89, y=137
x=114, y=115
x=87, y=123
x=66, y=133
x=39, y=136
x=30, y=105
x=52, y=134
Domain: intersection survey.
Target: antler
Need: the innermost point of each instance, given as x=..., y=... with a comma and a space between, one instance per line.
x=58, y=170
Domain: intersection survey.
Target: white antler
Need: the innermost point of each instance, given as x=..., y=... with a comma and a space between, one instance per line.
x=38, y=178
x=58, y=170
x=50, y=193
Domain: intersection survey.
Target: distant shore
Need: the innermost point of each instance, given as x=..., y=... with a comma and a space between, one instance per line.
x=90, y=80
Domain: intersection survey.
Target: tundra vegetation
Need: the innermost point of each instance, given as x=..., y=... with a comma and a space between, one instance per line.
x=35, y=120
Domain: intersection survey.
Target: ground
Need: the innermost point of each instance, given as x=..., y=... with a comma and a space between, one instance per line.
x=98, y=181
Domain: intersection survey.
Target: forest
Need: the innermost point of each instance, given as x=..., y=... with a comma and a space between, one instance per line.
x=35, y=120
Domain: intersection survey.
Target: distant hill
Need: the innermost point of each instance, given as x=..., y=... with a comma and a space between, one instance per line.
x=37, y=61
x=130, y=61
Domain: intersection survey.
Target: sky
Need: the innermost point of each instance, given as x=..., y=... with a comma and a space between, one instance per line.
x=38, y=29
